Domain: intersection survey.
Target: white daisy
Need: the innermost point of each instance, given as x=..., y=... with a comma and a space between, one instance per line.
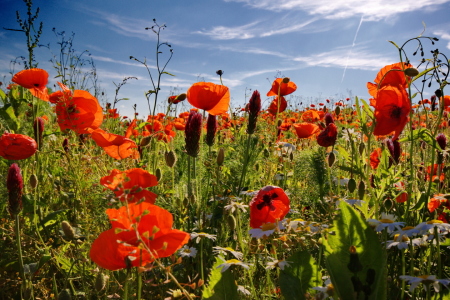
x=187, y=251
x=199, y=235
x=386, y=221
x=226, y=250
x=426, y=280
x=233, y=262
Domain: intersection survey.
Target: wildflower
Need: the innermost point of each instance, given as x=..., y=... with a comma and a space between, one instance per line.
x=353, y=202
x=390, y=75
x=437, y=201
x=187, y=251
x=199, y=235
x=386, y=221
x=271, y=204
x=221, y=250
x=14, y=184
x=441, y=140
x=284, y=149
x=116, y=146
x=280, y=86
x=192, y=133
x=140, y=234
x=16, y=146
x=176, y=98
x=402, y=242
x=241, y=289
x=305, y=130
x=253, y=107
x=130, y=185
x=429, y=226
x=77, y=110
x=277, y=263
x=208, y=96
x=426, y=280
x=408, y=231
x=35, y=80
x=233, y=262
x=375, y=158
x=233, y=206
x=250, y=193
x=276, y=107
x=211, y=128
x=328, y=136
x=266, y=229
x=325, y=291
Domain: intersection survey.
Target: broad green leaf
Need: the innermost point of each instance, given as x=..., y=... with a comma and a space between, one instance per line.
x=300, y=276
x=7, y=113
x=352, y=231
x=53, y=217
x=220, y=285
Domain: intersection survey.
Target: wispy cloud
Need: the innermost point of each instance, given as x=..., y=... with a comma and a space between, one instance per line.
x=444, y=35
x=372, y=10
x=228, y=33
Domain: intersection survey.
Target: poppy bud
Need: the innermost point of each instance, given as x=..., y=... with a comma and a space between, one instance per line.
x=170, y=158
x=68, y=230
x=361, y=189
x=412, y=72
x=192, y=133
x=16, y=146
x=158, y=174
x=362, y=146
x=286, y=80
x=394, y=150
x=219, y=72
x=145, y=141
x=441, y=139
x=65, y=145
x=438, y=93
x=211, y=128
x=254, y=107
x=33, y=181
x=14, y=184
x=38, y=127
x=337, y=110
x=351, y=185
x=220, y=157
x=100, y=282
x=331, y=159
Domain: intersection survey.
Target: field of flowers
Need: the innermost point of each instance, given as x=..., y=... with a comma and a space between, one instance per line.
x=345, y=199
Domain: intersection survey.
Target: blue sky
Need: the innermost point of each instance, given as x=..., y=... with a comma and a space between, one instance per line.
x=330, y=49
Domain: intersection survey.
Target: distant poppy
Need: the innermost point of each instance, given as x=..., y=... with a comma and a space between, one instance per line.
x=35, y=80
x=112, y=113
x=328, y=136
x=271, y=204
x=116, y=146
x=437, y=168
x=375, y=158
x=15, y=146
x=77, y=111
x=392, y=107
x=130, y=185
x=140, y=234
x=283, y=88
x=305, y=130
x=213, y=98
x=176, y=98
x=273, y=107
x=437, y=201
x=311, y=116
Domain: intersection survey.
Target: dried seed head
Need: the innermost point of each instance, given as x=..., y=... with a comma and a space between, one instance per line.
x=170, y=158
x=68, y=230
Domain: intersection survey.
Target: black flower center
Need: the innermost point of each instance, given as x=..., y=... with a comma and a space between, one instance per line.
x=267, y=201
x=396, y=112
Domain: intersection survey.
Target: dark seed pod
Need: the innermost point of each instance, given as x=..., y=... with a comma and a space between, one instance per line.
x=351, y=185
x=158, y=174
x=361, y=189
x=170, y=158
x=220, y=157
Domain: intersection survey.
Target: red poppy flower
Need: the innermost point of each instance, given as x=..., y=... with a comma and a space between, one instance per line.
x=284, y=88
x=311, y=116
x=77, y=111
x=328, y=136
x=271, y=204
x=392, y=107
x=35, y=80
x=115, y=145
x=161, y=132
x=436, y=168
x=140, y=234
x=273, y=108
x=112, y=113
x=213, y=98
x=305, y=130
x=375, y=158
x=16, y=146
x=131, y=185
x=390, y=75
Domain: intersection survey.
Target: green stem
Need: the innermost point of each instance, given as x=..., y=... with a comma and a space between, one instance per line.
x=19, y=250
x=245, y=167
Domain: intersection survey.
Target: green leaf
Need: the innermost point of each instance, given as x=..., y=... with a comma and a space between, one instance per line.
x=352, y=231
x=423, y=73
x=301, y=275
x=423, y=134
x=168, y=73
x=220, y=286
x=53, y=217
x=7, y=113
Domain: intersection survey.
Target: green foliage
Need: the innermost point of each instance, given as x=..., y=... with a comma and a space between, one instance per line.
x=360, y=274
x=221, y=285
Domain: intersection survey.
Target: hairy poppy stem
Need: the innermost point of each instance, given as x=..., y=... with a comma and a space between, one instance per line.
x=245, y=166
x=19, y=251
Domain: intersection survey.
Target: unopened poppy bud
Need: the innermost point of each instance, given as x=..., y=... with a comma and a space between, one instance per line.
x=441, y=139
x=192, y=199
x=170, y=158
x=33, y=181
x=68, y=230
x=361, y=189
x=394, y=150
x=100, y=282
x=65, y=295
x=219, y=72
x=145, y=141
x=411, y=72
x=362, y=146
x=14, y=184
x=231, y=220
x=158, y=174
x=38, y=127
x=220, y=157
x=331, y=159
x=192, y=133
x=211, y=128
x=65, y=145
x=351, y=185
x=286, y=80
x=337, y=110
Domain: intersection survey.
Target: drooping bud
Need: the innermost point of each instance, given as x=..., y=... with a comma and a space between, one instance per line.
x=254, y=107
x=145, y=141
x=170, y=158
x=158, y=174
x=38, y=127
x=438, y=93
x=211, y=128
x=33, y=181
x=331, y=159
x=394, y=150
x=14, y=184
x=192, y=133
x=413, y=72
x=65, y=145
x=351, y=185
x=68, y=230
x=441, y=139
x=220, y=157
x=328, y=119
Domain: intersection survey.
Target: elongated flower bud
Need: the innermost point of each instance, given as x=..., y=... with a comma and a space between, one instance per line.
x=441, y=140
x=254, y=107
x=192, y=133
x=170, y=158
x=38, y=127
x=220, y=157
x=65, y=145
x=211, y=128
x=394, y=150
x=14, y=184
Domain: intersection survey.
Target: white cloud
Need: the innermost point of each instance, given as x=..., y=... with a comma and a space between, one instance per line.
x=373, y=10
x=444, y=35
x=229, y=33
